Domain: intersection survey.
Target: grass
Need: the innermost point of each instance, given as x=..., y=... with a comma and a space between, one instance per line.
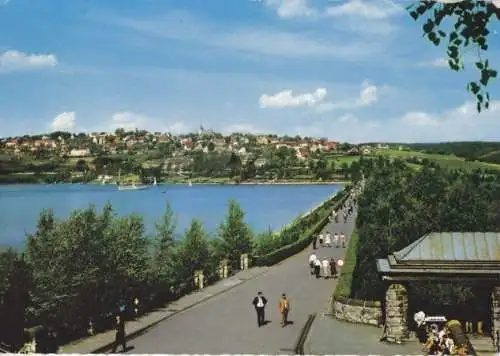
x=339, y=160
x=344, y=284
x=445, y=161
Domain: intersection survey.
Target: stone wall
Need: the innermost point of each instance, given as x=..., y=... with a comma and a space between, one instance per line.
x=357, y=311
x=495, y=308
x=396, y=299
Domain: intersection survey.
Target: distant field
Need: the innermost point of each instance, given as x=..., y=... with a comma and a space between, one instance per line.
x=339, y=160
x=446, y=161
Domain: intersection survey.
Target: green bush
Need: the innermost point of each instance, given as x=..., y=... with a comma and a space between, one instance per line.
x=303, y=230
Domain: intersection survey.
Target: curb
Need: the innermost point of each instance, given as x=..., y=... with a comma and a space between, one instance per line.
x=144, y=329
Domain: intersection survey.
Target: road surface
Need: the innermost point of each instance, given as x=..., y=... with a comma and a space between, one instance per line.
x=227, y=324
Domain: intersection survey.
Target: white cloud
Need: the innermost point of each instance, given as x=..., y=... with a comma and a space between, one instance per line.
x=243, y=128
x=285, y=98
x=419, y=118
x=291, y=8
x=370, y=10
x=65, y=121
x=4, y=2
x=365, y=9
x=15, y=60
x=184, y=27
x=127, y=121
x=130, y=121
x=367, y=17
x=368, y=96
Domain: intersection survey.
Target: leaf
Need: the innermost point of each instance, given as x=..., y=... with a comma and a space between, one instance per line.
x=421, y=9
x=480, y=98
x=493, y=73
x=442, y=33
x=478, y=107
x=487, y=105
x=414, y=15
x=479, y=65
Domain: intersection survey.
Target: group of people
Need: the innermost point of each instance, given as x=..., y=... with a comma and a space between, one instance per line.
x=323, y=268
x=437, y=340
x=260, y=302
x=326, y=240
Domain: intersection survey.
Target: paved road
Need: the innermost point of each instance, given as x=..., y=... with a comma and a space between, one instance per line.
x=227, y=324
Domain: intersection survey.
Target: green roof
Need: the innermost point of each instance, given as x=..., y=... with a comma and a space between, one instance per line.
x=453, y=246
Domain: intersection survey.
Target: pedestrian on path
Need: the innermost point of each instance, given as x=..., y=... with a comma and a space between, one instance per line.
x=321, y=239
x=326, y=268
x=328, y=239
x=284, y=309
x=343, y=239
x=317, y=267
x=336, y=239
x=120, y=334
x=259, y=303
x=312, y=258
x=315, y=242
x=333, y=268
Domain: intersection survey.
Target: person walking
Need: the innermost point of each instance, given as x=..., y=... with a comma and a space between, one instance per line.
x=120, y=334
x=284, y=309
x=315, y=242
x=259, y=303
x=312, y=258
x=326, y=268
x=336, y=239
x=328, y=239
x=333, y=268
x=321, y=239
x=317, y=267
x=343, y=239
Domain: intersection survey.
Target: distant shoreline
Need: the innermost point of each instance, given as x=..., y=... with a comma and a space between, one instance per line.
x=291, y=182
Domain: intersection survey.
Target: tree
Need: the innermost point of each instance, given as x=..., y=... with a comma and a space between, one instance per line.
x=165, y=243
x=81, y=165
x=194, y=251
x=469, y=32
x=84, y=265
x=235, y=234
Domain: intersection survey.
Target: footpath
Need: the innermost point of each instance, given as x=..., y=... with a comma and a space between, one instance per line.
x=143, y=324
x=221, y=320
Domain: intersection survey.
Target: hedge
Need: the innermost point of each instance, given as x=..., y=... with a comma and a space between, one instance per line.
x=344, y=284
x=322, y=214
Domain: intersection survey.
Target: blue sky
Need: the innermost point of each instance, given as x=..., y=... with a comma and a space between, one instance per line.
x=349, y=70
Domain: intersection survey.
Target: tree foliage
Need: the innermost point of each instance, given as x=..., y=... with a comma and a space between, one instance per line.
x=399, y=205
x=94, y=263
x=234, y=234
x=469, y=32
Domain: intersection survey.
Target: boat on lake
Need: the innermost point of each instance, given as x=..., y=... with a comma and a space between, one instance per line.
x=133, y=186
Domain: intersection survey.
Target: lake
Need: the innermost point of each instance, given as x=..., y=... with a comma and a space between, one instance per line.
x=265, y=205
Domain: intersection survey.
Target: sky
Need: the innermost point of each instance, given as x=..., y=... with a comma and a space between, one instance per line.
x=353, y=70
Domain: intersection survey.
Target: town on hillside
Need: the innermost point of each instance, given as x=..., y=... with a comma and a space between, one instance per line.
x=205, y=156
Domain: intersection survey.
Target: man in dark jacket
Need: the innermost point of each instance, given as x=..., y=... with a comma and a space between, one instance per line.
x=259, y=303
x=120, y=334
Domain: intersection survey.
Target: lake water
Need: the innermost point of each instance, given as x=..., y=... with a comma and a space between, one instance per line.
x=265, y=205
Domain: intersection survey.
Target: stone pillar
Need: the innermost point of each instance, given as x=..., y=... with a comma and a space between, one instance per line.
x=199, y=279
x=244, y=261
x=223, y=269
x=396, y=307
x=495, y=309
